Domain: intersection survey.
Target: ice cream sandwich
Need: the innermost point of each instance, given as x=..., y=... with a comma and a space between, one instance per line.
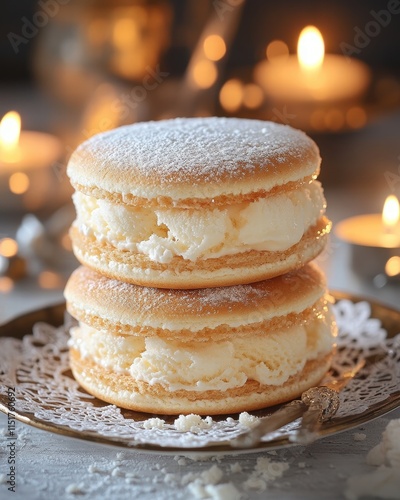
x=197, y=202
x=205, y=351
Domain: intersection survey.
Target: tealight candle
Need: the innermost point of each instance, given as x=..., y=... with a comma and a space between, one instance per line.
x=312, y=75
x=374, y=239
x=26, y=158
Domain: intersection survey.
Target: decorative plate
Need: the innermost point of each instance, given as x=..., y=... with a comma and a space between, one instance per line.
x=37, y=387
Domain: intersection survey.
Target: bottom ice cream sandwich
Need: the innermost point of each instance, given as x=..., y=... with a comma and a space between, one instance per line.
x=206, y=351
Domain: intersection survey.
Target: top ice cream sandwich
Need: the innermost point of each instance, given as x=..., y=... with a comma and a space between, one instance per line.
x=197, y=202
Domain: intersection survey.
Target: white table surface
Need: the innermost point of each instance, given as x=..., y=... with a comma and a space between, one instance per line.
x=47, y=464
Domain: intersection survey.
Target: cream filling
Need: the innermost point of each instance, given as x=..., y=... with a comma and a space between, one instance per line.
x=200, y=366
x=274, y=223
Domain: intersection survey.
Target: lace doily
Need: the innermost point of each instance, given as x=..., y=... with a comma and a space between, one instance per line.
x=45, y=391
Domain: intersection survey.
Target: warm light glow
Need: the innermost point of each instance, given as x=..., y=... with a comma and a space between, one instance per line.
x=125, y=33
x=8, y=247
x=277, y=51
x=214, y=47
x=317, y=119
x=231, y=95
x=392, y=267
x=205, y=74
x=334, y=119
x=310, y=49
x=50, y=279
x=10, y=129
x=356, y=117
x=253, y=96
x=6, y=284
x=97, y=31
x=391, y=212
x=19, y=183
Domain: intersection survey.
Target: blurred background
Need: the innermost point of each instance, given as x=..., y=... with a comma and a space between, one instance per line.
x=74, y=68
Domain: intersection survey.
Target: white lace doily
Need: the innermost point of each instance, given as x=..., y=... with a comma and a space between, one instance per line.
x=46, y=392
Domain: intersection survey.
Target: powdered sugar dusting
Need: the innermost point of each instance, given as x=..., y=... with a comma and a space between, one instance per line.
x=194, y=150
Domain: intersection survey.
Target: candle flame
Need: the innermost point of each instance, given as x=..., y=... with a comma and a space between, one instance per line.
x=310, y=48
x=391, y=212
x=10, y=129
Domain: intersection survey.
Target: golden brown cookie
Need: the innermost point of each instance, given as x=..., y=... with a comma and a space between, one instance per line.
x=197, y=202
x=207, y=351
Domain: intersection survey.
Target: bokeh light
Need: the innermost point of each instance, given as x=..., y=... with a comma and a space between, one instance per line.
x=392, y=267
x=205, y=74
x=253, y=96
x=356, y=117
x=277, y=51
x=18, y=183
x=50, y=280
x=6, y=284
x=214, y=47
x=231, y=95
x=8, y=247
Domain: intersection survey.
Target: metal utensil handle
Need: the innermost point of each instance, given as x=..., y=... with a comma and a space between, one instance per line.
x=286, y=414
x=316, y=405
x=322, y=403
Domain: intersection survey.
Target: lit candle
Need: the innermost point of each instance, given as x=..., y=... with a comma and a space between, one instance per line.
x=26, y=158
x=374, y=230
x=312, y=75
x=374, y=238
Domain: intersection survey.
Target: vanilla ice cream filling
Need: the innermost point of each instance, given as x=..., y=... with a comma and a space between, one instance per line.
x=270, y=359
x=274, y=223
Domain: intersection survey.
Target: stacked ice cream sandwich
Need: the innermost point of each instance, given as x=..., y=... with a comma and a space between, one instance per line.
x=196, y=293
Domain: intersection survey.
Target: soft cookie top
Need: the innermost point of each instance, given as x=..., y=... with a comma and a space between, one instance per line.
x=91, y=296
x=176, y=161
